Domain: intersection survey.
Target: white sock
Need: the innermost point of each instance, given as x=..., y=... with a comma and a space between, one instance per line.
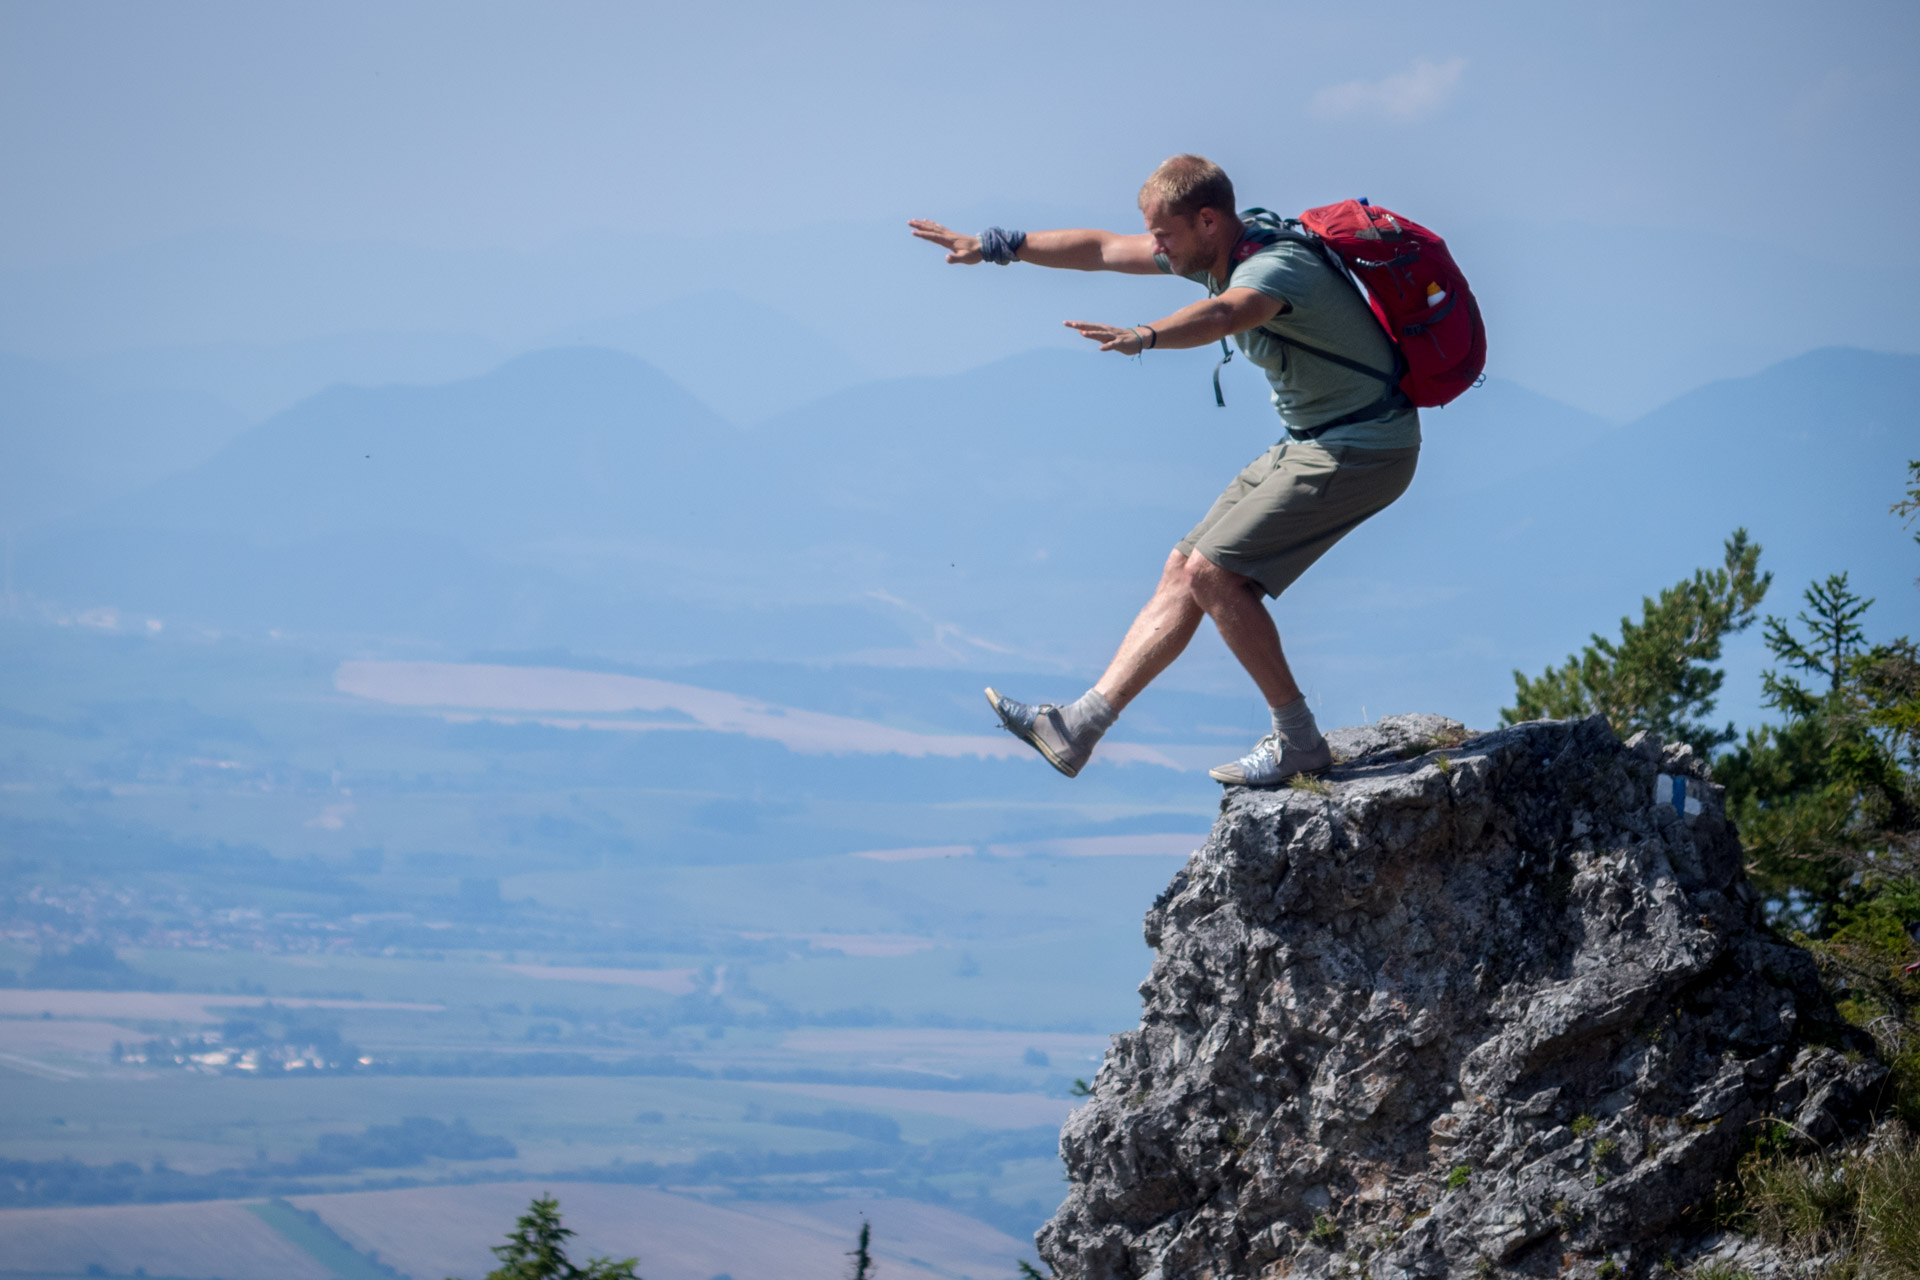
x=1088, y=717
x=1294, y=723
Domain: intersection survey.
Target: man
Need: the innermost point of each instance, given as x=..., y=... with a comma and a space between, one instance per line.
x=1351, y=445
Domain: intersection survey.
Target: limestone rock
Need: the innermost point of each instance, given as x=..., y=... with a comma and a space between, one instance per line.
x=1493, y=1005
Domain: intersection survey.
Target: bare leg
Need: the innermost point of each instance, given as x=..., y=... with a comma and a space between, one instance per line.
x=1238, y=607
x=1192, y=587
x=1158, y=635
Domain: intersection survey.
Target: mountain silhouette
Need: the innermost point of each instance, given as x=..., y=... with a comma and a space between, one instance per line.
x=579, y=497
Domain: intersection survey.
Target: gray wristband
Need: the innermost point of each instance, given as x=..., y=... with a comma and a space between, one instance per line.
x=1001, y=247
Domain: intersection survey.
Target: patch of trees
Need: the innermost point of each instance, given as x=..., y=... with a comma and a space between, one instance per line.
x=1827, y=797
x=907, y=1170
x=90, y=966
x=115, y=849
x=412, y=1142
x=582, y=1064
x=913, y=1171
x=1827, y=801
x=31, y=1183
x=868, y=1126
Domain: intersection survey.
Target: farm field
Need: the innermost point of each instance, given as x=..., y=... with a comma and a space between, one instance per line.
x=73, y=1034
x=262, y=938
x=216, y=1238
x=989, y=1110
x=166, y=1006
x=428, y=1233
x=201, y=1124
x=445, y=1231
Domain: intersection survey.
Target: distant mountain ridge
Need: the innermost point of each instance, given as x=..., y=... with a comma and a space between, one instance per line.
x=563, y=443
x=1615, y=328
x=701, y=340
x=579, y=497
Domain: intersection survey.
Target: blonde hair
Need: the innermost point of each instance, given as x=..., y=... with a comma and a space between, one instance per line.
x=1186, y=184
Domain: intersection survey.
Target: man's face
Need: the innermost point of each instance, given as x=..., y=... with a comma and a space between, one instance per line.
x=1184, y=238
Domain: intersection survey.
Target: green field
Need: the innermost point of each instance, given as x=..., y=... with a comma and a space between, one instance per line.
x=311, y=1233
x=646, y=961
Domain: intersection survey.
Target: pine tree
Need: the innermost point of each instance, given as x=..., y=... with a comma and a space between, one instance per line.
x=1909, y=506
x=1659, y=674
x=1827, y=801
x=862, y=1259
x=1834, y=637
x=535, y=1250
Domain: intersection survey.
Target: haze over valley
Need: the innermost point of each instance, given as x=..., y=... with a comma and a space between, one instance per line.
x=505, y=534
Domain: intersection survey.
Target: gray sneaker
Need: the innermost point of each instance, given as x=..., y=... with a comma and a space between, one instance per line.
x=1271, y=762
x=1040, y=727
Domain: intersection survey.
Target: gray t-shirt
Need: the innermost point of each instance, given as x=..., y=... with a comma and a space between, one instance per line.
x=1329, y=313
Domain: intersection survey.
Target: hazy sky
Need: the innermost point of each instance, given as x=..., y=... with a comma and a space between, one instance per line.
x=1662, y=129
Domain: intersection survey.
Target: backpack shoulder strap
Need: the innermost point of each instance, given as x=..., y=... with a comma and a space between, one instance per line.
x=1391, y=379
x=1273, y=229
x=1265, y=228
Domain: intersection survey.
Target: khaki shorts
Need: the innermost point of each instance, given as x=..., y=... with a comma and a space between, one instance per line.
x=1295, y=501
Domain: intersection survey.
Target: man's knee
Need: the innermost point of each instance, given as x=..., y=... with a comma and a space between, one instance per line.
x=1173, y=574
x=1211, y=585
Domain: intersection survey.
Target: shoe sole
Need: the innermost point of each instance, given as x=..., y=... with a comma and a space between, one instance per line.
x=993, y=700
x=1321, y=772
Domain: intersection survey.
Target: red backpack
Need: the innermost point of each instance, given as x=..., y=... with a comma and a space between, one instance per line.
x=1417, y=293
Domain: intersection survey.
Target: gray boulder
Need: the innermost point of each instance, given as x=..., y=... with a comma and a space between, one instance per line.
x=1482, y=1005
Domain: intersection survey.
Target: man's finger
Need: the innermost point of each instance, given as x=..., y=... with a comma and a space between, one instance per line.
x=923, y=230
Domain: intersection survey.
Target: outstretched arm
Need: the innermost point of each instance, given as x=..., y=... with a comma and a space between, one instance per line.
x=1076, y=249
x=1208, y=320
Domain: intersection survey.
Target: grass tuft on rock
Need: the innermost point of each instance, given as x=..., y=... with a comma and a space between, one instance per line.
x=1866, y=1208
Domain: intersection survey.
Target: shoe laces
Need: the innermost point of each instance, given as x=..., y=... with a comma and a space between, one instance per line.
x=1023, y=713
x=1268, y=747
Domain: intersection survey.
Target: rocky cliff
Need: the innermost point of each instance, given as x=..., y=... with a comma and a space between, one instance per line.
x=1477, y=1006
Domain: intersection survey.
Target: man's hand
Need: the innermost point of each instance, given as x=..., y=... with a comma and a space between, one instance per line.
x=1128, y=342
x=961, y=250
x=1194, y=325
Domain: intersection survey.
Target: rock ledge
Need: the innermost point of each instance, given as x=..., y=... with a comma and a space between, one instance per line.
x=1484, y=1005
